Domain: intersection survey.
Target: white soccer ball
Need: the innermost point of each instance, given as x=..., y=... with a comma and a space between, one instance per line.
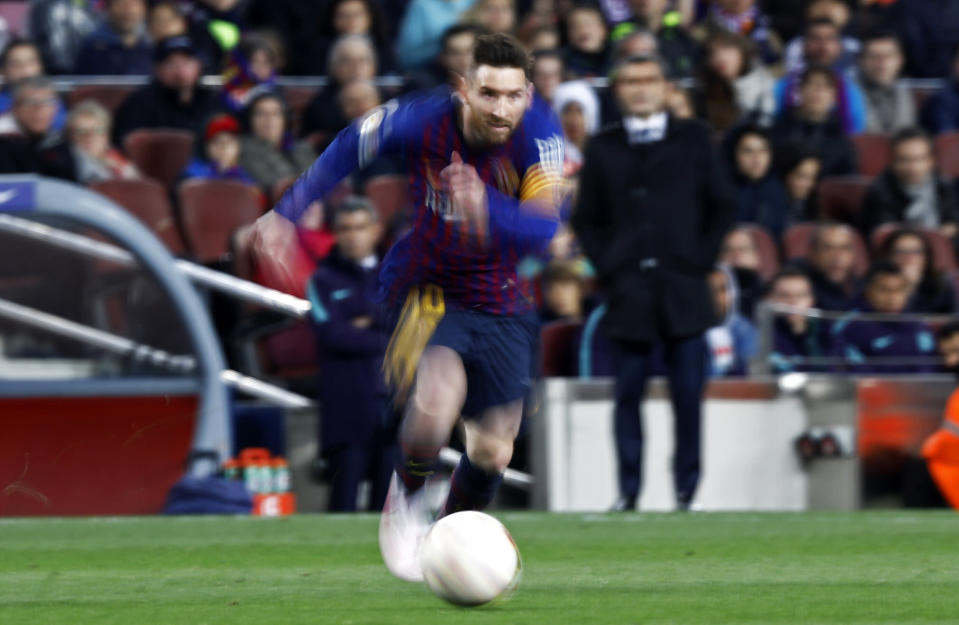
x=469, y=558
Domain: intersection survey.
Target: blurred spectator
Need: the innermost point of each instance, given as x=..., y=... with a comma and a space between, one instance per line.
x=890, y=104
x=734, y=86
x=88, y=129
x=587, y=52
x=456, y=53
x=59, y=27
x=296, y=23
x=940, y=113
x=814, y=122
x=357, y=429
x=909, y=190
x=948, y=344
x=120, y=44
x=418, y=40
x=21, y=59
x=268, y=150
x=222, y=20
x=577, y=107
x=563, y=292
x=731, y=344
x=547, y=73
x=165, y=20
x=822, y=47
x=356, y=99
x=839, y=13
x=635, y=41
x=221, y=153
x=674, y=43
x=679, y=103
x=799, y=168
x=251, y=68
x=744, y=18
x=739, y=251
x=894, y=346
x=760, y=196
x=798, y=339
x=497, y=16
x=28, y=141
x=929, y=290
x=342, y=18
x=830, y=266
x=173, y=99
x=352, y=58
x=543, y=38
x=929, y=30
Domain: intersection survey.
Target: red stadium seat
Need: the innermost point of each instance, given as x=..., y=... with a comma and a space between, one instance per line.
x=947, y=154
x=280, y=187
x=841, y=198
x=389, y=194
x=289, y=353
x=147, y=200
x=798, y=238
x=160, y=153
x=765, y=247
x=211, y=210
x=943, y=254
x=110, y=96
x=556, y=348
x=873, y=151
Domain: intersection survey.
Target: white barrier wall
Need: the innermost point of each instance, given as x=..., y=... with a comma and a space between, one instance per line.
x=748, y=457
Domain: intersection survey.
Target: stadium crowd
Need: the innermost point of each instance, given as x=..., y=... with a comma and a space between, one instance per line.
x=843, y=173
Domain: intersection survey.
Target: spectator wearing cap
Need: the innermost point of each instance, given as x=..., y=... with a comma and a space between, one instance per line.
x=173, y=99
x=88, y=130
x=885, y=346
x=909, y=190
x=221, y=152
x=814, y=121
x=577, y=106
x=28, y=141
x=120, y=44
x=941, y=111
x=822, y=47
x=21, y=59
x=268, y=150
x=673, y=42
x=890, y=104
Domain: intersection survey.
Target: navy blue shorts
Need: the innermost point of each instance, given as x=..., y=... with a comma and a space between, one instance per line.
x=497, y=353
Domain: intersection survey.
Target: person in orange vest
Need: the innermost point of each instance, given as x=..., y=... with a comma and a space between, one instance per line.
x=941, y=450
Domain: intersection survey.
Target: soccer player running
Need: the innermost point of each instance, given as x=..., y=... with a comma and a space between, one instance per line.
x=486, y=177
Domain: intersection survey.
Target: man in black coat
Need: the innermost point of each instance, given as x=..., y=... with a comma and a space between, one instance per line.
x=356, y=437
x=28, y=142
x=653, y=207
x=909, y=190
x=174, y=99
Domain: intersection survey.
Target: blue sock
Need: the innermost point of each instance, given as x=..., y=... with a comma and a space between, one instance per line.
x=416, y=465
x=472, y=487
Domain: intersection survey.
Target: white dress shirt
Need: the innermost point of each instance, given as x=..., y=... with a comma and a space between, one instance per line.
x=652, y=128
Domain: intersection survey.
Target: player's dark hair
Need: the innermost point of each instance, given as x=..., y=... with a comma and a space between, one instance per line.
x=882, y=268
x=500, y=50
x=910, y=134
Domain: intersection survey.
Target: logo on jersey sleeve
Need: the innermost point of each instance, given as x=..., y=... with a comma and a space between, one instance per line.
x=371, y=139
x=551, y=155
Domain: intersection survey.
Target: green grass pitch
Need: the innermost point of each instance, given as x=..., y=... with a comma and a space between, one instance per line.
x=864, y=567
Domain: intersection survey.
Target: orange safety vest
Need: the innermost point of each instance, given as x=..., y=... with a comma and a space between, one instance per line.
x=941, y=451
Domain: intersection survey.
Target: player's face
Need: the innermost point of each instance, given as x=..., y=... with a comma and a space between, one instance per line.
x=641, y=89
x=496, y=99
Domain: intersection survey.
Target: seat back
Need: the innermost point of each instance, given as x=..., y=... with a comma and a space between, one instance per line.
x=873, y=152
x=390, y=195
x=841, y=198
x=160, y=153
x=211, y=210
x=148, y=201
x=556, y=348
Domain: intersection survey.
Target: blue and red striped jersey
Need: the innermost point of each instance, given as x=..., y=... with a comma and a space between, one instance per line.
x=524, y=188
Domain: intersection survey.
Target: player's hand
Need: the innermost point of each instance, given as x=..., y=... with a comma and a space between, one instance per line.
x=362, y=322
x=274, y=244
x=467, y=193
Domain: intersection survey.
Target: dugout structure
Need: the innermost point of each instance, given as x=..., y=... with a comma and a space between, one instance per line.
x=110, y=374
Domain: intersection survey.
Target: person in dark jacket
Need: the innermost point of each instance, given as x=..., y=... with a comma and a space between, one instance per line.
x=813, y=122
x=351, y=58
x=930, y=291
x=929, y=30
x=120, y=44
x=173, y=99
x=909, y=190
x=940, y=113
x=760, y=196
x=800, y=342
x=356, y=432
x=830, y=265
x=885, y=346
x=652, y=210
x=28, y=141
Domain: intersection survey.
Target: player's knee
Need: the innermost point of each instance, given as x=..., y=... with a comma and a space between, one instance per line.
x=492, y=453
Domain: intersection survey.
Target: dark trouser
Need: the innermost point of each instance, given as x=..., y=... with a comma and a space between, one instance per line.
x=355, y=462
x=686, y=366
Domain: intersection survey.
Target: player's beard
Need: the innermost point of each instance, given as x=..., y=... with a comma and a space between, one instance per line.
x=483, y=127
